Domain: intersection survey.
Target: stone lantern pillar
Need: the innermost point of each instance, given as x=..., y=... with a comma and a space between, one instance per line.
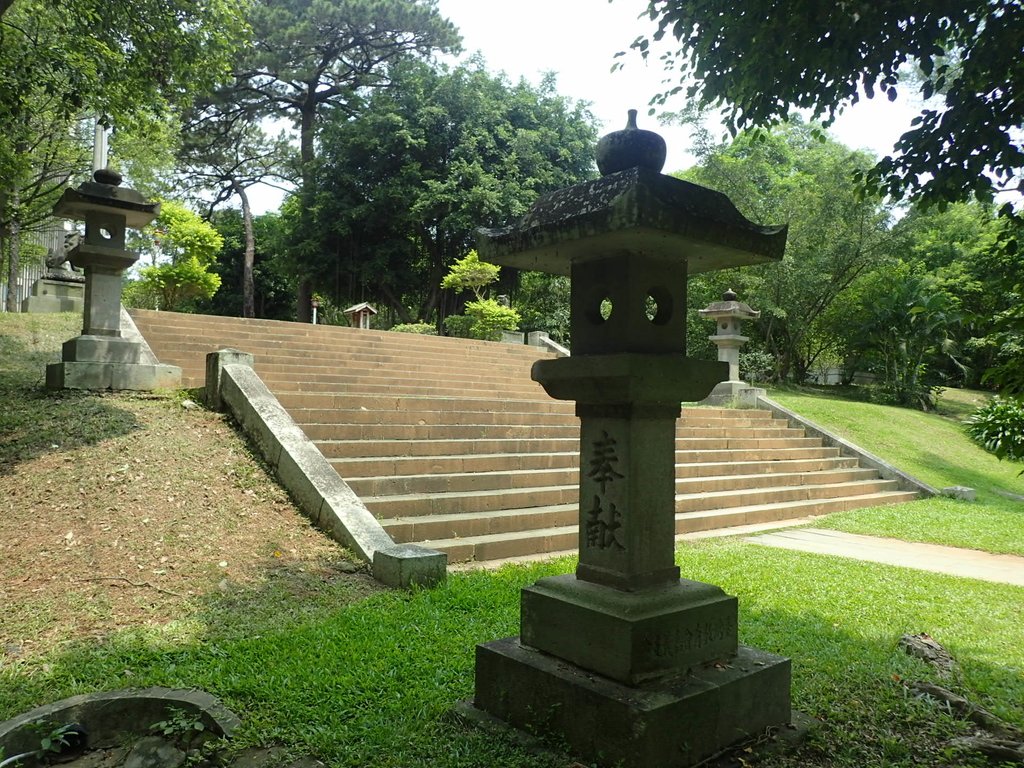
x=101, y=358
x=624, y=661
x=728, y=314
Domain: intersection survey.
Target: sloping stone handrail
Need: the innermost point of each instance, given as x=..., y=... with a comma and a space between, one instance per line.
x=233, y=386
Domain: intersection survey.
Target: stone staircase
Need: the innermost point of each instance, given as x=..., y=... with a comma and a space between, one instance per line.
x=451, y=445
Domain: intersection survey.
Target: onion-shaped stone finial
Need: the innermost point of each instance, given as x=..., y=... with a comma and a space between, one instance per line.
x=631, y=147
x=107, y=176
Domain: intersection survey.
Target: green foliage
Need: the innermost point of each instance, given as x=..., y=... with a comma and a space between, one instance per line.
x=179, y=724
x=173, y=286
x=321, y=60
x=471, y=274
x=999, y=427
x=424, y=329
x=183, y=249
x=542, y=301
x=273, y=291
x=484, y=319
x=792, y=175
x=445, y=151
x=757, y=60
x=756, y=366
x=127, y=61
x=900, y=331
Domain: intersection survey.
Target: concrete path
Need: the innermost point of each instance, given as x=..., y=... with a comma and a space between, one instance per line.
x=1005, y=569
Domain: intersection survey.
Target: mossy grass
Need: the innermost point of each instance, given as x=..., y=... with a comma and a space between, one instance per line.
x=935, y=449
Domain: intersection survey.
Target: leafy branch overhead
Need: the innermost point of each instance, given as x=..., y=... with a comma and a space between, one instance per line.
x=760, y=59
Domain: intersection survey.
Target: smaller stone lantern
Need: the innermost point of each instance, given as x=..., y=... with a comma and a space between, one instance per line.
x=729, y=314
x=103, y=358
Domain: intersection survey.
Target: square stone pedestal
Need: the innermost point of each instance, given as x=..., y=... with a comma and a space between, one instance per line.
x=141, y=377
x=669, y=723
x=54, y=296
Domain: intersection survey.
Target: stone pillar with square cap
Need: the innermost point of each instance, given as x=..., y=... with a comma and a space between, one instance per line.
x=616, y=659
x=101, y=358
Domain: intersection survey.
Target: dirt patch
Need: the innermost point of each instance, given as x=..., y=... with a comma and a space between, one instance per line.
x=138, y=521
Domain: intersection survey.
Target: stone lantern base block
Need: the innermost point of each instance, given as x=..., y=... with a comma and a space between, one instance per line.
x=115, y=376
x=89, y=348
x=734, y=393
x=629, y=636
x=672, y=723
x=49, y=296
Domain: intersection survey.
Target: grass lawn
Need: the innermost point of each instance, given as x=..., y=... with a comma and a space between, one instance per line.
x=935, y=449
x=371, y=683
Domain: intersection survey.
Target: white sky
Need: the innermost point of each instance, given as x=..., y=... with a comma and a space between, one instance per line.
x=578, y=40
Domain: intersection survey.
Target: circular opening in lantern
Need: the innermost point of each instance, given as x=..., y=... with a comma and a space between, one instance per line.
x=658, y=306
x=599, y=310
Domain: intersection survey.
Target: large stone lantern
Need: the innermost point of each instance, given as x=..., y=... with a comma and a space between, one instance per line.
x=102, y=358
x=623, y=660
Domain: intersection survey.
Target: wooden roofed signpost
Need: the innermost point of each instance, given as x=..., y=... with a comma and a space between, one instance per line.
x=623, y=660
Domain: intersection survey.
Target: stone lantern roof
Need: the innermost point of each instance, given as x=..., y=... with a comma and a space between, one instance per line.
x=729, y=306
x=105, y=196
x=637, y=210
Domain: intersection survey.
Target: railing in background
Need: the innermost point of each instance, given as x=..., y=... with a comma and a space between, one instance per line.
x=33, y=267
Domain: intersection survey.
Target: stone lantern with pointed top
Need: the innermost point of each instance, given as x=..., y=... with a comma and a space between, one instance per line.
x=103, y=358
x=623, y=660
x=729, y=314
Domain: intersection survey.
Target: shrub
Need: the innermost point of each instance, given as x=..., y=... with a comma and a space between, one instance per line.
x=425, y=329
x=999, y=427
x=757, y=366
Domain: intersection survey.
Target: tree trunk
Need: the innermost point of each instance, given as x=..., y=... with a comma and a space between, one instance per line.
x=396, y=304
x=13, y=251
x=249, y=257
x=307, y=118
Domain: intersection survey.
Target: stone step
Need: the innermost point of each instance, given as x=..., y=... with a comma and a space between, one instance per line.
x=358, y=355
x=718, y=468
x=709, y=500
x=563, y=538
x=690, y=456
x=406, y=402
x=487, y=500
x=685, y=429
x=739, y=443
x=500, y=521
x=469, y=416
x=341, y=385
x=320, y=432
x=706, y=520
x=698, y=417
x=459, y=482
x=416, y=504
x=399, y=448
x=513, y=479
x=393, y=466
